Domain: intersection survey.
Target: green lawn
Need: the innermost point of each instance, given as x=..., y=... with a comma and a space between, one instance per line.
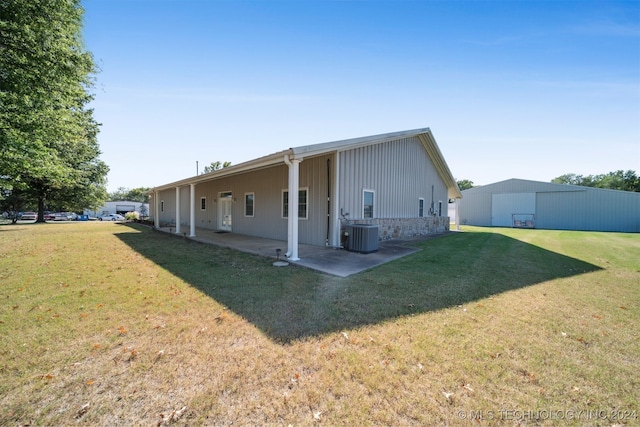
x=115, y=324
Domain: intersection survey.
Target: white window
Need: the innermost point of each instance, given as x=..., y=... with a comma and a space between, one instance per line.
x=367, y=203
x=249, y=200
x=203, y=203
x=421, y=207
x=440, y=208
x=303, y=203
x=161, y=205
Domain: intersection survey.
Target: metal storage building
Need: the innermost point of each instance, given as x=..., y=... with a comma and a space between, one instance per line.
x=119, y=207
x=397, y=181
x=550, y=206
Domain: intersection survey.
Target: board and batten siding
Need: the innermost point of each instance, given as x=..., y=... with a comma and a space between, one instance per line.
x=399, y=172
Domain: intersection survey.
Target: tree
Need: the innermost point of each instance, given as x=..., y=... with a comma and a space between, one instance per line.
x=214, y=166
x=465, y=184
x=140, y=194
x=48, y=136
x=618, y=180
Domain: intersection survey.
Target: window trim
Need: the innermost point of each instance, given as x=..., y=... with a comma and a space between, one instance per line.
x=420, y=207
x=373, y=203
x=253, y=204
x=300, y=189
x=203, y=203
x=161, y=205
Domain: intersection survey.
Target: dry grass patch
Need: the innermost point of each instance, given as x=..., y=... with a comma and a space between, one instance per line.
x=115, y=325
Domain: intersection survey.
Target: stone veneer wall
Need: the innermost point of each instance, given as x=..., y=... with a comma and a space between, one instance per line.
x=399, y=228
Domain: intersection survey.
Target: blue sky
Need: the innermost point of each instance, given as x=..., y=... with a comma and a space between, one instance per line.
x=510, y=89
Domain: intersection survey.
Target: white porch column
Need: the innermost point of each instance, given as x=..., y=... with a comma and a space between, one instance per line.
x=294, y=189
x=156, y=209
x=335, y=203
x=192, y=212
x=178, y=210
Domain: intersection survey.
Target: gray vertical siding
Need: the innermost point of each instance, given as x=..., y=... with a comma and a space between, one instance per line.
x=561, y=207
x=475, y=208
x=594, y=209
x=168, y=216
x=314, y=174
x=399, y=172
x=267, y=186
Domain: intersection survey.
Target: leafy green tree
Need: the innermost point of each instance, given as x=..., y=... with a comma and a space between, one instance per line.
x=465, y=184
x=618, y=180
x=140, y=194
x=568, y=178
x=48, y=136
x=214, y=166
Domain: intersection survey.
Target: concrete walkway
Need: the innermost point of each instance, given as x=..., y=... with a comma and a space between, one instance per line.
x=337, y=262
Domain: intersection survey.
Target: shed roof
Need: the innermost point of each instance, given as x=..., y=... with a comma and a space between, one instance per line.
x=424, y=135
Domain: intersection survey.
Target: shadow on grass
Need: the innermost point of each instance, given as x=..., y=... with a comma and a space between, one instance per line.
x=295, y=303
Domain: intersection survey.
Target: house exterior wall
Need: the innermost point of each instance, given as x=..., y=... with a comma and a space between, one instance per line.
x=398, y=228
x=402, y=169
x=167, y=207
x=557, y=206
x=398, y=172
x=267, y=186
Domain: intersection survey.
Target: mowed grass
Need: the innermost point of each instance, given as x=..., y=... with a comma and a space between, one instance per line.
x=110, y=324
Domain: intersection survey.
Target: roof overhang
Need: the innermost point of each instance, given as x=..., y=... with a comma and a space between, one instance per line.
x=424, y=135
x=429, y=144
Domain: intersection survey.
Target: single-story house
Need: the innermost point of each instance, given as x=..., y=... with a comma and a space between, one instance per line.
x=397, y=181
x=119, y=207
x=533, y=204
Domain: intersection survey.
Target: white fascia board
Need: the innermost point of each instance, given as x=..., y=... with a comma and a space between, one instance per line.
x=431, y=146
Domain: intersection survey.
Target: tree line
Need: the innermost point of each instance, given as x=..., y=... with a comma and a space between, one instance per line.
x=618, y=180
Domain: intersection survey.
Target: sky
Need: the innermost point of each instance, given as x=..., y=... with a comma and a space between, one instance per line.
x=510, y=89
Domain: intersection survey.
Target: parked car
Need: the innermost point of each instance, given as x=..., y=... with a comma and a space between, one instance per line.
x=49, y=216
x=111, y=217
x=64, y=216
x=29, y=216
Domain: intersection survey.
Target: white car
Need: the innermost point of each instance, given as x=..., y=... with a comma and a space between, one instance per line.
x=64, y=216
x=112, y=217
x=29, y=216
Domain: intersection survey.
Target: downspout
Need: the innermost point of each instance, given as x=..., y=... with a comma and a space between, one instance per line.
x=294, y=189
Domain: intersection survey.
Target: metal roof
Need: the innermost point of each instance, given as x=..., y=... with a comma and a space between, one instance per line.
x=424, y=134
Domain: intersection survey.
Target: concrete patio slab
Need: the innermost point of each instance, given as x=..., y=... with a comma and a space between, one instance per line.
x=337, y=262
